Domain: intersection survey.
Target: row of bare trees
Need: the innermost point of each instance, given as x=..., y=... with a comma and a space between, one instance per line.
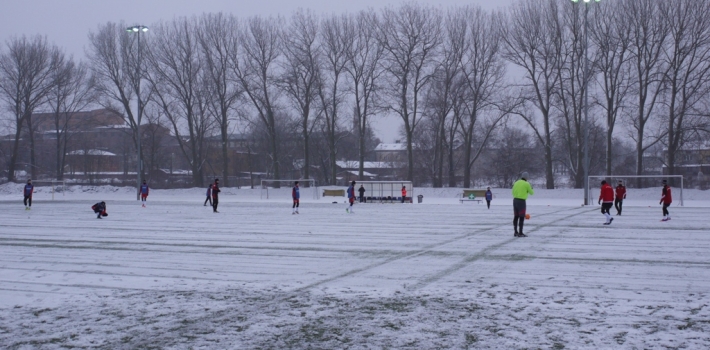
x=454, y=77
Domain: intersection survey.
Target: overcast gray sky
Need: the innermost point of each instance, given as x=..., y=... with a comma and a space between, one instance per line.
x=67, y=22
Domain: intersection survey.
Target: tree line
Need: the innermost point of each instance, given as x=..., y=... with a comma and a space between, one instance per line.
x=499, y=91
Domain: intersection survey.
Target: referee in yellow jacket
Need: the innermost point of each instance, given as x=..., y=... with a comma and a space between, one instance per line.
x=521, y=190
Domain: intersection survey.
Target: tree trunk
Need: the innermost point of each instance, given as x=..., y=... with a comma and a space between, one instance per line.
x=410, y=156
x=31, y=134
x=467, y=161
x=306, y=152
x=13, y=159
x=225, y=155
x=333, y=155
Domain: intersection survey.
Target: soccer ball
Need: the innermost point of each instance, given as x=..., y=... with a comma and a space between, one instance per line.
x=527, y=216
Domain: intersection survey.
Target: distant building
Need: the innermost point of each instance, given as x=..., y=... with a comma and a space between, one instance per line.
x=391, y=152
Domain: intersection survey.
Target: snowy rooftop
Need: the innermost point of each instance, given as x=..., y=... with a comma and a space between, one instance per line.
x=354, y=164
x=91, y=152
x=391, y=147
x=436, y=275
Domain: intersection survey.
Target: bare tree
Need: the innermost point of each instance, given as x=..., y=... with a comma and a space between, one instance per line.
x=154, y=137
x=255, y=69
x=446, y=88
x=301, y=74
x=218, y=36
x=117, y=72
x=71, y=93
x=611, y=34
x=26, y=72
x=483, y=72
x=687, y=57
x=532, y=43
x=573, y=85
x=649, y=33
x=411, y=35
x=179, y=82
x=364, y=54
x=334, y=45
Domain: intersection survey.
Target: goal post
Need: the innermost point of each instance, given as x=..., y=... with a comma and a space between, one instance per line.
x=635, y=181
x=270, y=186
x=384, y=191
x=56, y=186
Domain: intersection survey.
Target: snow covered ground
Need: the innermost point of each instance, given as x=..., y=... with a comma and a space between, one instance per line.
x=434, y=275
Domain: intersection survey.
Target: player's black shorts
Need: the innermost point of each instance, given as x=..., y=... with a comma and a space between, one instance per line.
x=519, y=207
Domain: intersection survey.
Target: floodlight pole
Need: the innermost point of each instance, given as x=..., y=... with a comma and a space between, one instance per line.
x=585, y=77
x=138, y=29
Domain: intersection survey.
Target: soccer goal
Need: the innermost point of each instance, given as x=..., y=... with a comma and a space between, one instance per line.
x=384, y=191
x=636, y=181
x=282, y=188
x=55, y=186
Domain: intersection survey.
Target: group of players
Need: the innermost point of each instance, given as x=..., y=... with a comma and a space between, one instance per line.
x=608, y=197
x=615, y=197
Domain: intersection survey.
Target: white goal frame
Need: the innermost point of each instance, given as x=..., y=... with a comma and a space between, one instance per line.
x=289, y=183
x=384, y=188
x=55, y=184
x=614, y=178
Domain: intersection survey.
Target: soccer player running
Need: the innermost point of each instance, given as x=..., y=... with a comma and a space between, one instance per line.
x=606, y=199
x=29, y=189
x=296, y=195
x=620, y=196
x=144, y=192
x=209, y=196
x=521, y=190
x=351, y=198
x=666, y=200
x=215, y=195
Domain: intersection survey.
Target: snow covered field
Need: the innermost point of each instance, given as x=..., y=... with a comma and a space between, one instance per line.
x=419, y=276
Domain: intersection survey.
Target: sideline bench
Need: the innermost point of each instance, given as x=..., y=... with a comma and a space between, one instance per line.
x=333, y=193
x=469, y=200
x=478, y=196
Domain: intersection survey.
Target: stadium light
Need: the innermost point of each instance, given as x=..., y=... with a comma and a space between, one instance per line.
x=586, y=104
x=138, y=29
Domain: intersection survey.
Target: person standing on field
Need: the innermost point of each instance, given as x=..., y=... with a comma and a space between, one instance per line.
x=606, y=199
x=29, y=189
x=521, y=190
x=209, y=195
x=666, y=200
x=362, y=194
x=620, y=196
x=215, y=195
x=144, y=192
x=489, y=197
x=351, y=198
x=296, y=196
x=404, y=193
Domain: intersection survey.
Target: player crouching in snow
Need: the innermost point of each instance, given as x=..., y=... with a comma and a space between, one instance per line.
x=296, y=195
x=606, y=199
x=100, y=209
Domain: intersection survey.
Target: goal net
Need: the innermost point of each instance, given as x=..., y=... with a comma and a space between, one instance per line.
x=49, y=186
x=272, y=188
x=385, y=191
x=637, y=182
